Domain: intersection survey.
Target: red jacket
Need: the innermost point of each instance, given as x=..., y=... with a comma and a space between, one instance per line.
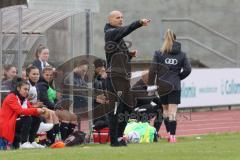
x=11, y=109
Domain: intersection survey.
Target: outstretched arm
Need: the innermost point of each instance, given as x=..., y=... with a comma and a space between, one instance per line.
x=116, y=34
x=16, y=107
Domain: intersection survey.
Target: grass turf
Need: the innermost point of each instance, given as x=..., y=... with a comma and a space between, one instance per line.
x=209, y=147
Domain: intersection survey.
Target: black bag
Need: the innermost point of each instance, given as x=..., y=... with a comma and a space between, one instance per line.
x=76, y=138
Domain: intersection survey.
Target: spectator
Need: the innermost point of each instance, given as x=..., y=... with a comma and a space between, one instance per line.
x=43, y=86
x=27, y=126
x=14, y=105
x=33, y=75
x=48, y=95
x=100, y=116
x=42, y=55
x=79, y=82
x=10, y=72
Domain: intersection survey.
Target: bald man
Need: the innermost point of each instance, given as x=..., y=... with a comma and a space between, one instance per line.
x=119, y=72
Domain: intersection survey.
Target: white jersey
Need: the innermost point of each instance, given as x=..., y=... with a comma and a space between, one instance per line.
x=33, y=93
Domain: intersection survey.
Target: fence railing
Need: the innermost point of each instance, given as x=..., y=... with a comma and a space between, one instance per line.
x=220, y=54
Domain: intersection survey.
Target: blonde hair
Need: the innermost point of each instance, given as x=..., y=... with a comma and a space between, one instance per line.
x=168, y=41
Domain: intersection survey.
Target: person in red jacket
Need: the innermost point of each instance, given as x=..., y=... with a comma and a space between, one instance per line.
x=14, y=105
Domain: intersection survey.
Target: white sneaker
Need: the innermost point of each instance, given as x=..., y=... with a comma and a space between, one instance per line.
x=35, y=145
x=44, y=127
x=26, y=145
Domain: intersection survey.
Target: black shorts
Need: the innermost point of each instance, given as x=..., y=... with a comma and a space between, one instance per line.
x=173, y=97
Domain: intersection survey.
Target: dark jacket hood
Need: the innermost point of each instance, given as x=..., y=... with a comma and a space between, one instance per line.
x=43, y=82
x=176, y=48
x=41, y=79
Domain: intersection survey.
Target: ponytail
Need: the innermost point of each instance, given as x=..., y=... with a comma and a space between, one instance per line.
x=168, y=42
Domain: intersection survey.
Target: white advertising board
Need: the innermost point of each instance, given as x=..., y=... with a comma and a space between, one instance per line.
x=211, y=87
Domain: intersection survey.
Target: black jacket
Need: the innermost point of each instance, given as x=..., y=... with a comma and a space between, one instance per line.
x=117, y=53
x=42, y=90
x=99, y=113
x=79, y=96
x=176, y=61
x=99, y=83
x=37, y=63
x=100, y=86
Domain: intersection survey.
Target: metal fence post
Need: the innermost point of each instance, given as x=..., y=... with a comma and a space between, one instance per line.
x=238, y=55
x=1, y=54
x=19, y=35
x=89, y=44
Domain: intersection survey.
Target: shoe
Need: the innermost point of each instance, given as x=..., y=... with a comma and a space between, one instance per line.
x=44, y=127
x=172, y=139
x=35, y=145
x=122, y=143
x=26, y=145
x=168, y=137
x=114, y=145
x=155, y=138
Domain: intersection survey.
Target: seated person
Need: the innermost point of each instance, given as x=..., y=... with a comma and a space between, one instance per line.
x=100, y=116
x=43, y=86
x=48, y=95
x=28, y=124
x=9, y=73
x=33, y=75
x=147, y=108
x=38, y=125
x=77, y=79
x=15, y=105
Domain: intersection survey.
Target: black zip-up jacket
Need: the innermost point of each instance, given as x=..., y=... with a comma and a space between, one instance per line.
x=42, y=90
x=117, y=53
x=102, y=121
x=79, y=100
x=177, y=62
